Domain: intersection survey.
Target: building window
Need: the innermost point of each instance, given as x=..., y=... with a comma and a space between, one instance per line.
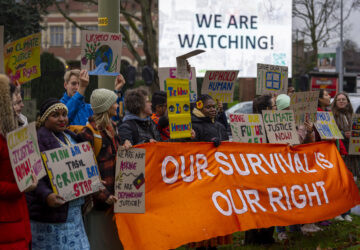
x=56, y=35
x=90, y=27
x=73, y=36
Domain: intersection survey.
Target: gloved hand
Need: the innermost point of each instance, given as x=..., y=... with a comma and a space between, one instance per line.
x=216, y=141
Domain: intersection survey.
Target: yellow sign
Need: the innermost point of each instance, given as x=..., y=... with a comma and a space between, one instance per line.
x=178, y=104
x=103, y=21
x=22, y=59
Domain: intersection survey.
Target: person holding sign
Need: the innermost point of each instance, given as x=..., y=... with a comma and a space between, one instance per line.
x=55, y=222
x=137, y=126
x=15, y=230
x=207, y=129
x=99, y=224
x=159, y=116
x=343, y=111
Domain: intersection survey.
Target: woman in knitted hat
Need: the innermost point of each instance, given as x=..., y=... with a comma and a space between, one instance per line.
x=55, y=222
x=15, y=230
x=100, y=226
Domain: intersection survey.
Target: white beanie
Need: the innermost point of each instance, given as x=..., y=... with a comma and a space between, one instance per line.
x=282, y=101
x=101, y=100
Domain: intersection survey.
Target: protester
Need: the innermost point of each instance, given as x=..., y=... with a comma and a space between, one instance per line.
x=291, y=90
x=17, y=104
x=99, y=223
x=137, y=126
x=343, y=112
x=15, y=232
x=262, y=235
x=207, y=129
x=75, y=84
x=54, y=222
x=159, y=115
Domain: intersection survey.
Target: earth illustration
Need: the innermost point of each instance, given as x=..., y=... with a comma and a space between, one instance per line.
x=104, y=54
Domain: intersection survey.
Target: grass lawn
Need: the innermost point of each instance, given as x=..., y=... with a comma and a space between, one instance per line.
x=339, y=235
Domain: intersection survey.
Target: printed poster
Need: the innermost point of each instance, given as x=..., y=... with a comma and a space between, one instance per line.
x=101, y=52
x=25, y=155
x=326, y=126
x=304, y=105
x=178, y=106
x=73, y=171
x=1, y=49
x=271, y=79
x=220, y=84
x=247, y=128
x=22, y=59
x=280, y=126
x=168, y=72
x=354, y=146
x=130, y=181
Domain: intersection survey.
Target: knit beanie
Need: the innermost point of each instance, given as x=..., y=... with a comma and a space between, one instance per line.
x=101, y=100
x=282, y=101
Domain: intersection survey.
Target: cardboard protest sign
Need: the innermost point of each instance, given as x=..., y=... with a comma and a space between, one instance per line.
x=72, y=170
x=354, y=146
x=181, y=65
x=25, y=155
x=22, y=59
x=178, y=106
x=130, y=181
x=1, y=49
x=280, y=126
x=101, y=52
x=165, y=73
x=220, y=84
x=326, y=126
x=247, y=128
x=304, y=105
x=271, y=79
x=235, y=187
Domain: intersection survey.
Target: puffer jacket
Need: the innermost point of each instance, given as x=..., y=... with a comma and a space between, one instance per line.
x=15, y=230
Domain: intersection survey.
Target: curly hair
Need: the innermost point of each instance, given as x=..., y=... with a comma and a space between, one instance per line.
x=7, y=117
x=135, y=100
x=261, y=103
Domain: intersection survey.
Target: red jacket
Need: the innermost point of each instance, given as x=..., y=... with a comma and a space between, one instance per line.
x=15, y=232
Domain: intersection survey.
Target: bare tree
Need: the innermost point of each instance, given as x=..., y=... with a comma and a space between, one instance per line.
x=320, y=20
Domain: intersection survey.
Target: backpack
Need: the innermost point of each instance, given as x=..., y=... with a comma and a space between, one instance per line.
x=97, y=136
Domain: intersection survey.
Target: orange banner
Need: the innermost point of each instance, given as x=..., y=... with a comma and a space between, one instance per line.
x=195, y=191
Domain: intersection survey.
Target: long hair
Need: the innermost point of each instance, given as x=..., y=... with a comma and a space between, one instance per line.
x=102, y=122
x=343, y=117
x=261, y=103
x=7, y=117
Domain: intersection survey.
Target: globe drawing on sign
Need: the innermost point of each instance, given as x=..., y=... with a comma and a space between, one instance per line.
x=103, y=61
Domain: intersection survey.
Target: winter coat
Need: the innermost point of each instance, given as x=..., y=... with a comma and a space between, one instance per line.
x=79, y=111
x=106, y=160
x=36, y=199
x=138, y=130
x=205, y=129
x=15, y=230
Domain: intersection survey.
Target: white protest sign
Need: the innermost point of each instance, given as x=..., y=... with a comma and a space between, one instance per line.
x=326, y=126
x=354, y=146
x=101, y=52
x=165, y=73
x=271, y=79
x=72, y=170
x=247, y=128
x=25, y=155
x=1, y=49
x=280, y=126
x=304, y=105
x=220, y=84
x=130, y=181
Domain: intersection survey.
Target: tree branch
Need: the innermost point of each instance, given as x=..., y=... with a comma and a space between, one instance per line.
x=67, y=17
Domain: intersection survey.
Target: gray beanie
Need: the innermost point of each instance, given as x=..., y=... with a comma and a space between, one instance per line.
x=101, y=100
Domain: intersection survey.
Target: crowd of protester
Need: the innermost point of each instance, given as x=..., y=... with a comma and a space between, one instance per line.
x=41, y=219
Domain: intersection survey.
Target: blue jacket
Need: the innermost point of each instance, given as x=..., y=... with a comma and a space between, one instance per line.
x=79, y=111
